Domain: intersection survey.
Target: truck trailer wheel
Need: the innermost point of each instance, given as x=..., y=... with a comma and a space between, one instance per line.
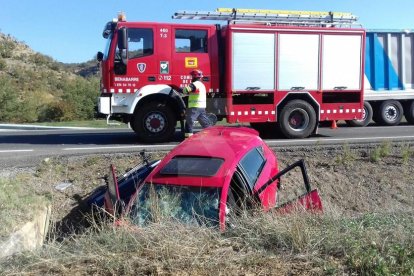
x=154, y=122
x=389, y=113
x=409, y=112
x=366, y=117
x=297, y=119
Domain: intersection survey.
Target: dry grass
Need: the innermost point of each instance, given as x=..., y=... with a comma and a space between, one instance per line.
x=19, y=201
x=258, y=244
x=366, y=228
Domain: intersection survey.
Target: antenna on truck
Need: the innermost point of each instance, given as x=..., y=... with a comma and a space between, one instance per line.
x=276, y=17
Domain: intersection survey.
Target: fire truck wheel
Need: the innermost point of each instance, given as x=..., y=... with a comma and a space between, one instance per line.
x=366, y=117
x=154, y=122
x=409, y=112
x=297, y=119
x=389, y=113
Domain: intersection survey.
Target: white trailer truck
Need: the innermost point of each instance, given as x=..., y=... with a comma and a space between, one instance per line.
x=389, y=78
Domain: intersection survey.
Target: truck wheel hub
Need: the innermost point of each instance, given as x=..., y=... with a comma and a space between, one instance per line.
x=155, y=122
x=298, y=119
x=391, y=113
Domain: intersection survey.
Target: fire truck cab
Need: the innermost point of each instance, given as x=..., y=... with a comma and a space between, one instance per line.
x=271, y=69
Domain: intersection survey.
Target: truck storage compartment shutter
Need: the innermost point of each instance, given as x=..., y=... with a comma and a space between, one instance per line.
x=253, y=61
x=341, y=62
x=298, y=61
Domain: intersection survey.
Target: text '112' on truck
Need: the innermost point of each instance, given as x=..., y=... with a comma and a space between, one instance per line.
x=286, y=70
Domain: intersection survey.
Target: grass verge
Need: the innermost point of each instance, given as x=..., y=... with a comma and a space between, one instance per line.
x=372, y=244
x=18, y=203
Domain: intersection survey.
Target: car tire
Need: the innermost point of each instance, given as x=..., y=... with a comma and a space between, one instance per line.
x=409, y=112
x=297, y=119
x=389, y=113
x=154, y=122
x=366, y=118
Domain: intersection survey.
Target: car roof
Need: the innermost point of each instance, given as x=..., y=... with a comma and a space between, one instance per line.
x=227, y=143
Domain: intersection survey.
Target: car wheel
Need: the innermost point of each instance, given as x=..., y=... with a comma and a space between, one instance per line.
x=409, y=112
x=297, y=119
x=389, y=113
x=154, y=122
x=366, y=117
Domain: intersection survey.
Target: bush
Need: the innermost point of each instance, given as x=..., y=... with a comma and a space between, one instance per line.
x=40, y=59
x=8, y=101
x=81, y=95
x=52, y=112
x=3, y=64
x=6, y=48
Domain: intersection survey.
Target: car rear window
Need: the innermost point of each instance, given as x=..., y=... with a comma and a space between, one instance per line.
x=192, y=166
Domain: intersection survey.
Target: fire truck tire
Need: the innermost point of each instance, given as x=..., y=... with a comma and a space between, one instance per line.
x=297, y=119
x=154, y=122
x=366, y=117
x=389, y=113
x=409, y=112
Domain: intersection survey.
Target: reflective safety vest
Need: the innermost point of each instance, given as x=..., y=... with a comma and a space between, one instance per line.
x=197, y=95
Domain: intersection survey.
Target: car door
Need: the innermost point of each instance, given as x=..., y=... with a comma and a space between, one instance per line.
x=291, y=193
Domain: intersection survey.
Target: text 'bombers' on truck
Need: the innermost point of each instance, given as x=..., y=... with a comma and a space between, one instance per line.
x=272, y=69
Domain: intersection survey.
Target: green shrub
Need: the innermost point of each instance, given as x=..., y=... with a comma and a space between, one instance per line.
x=382, y=151
x=81, y=95
x=52, y=112
x=406, y=153
x=347, y=156
x=6, y=48
x=385, y=148
x=8, y=101
x=375, y=155
x=3, y=64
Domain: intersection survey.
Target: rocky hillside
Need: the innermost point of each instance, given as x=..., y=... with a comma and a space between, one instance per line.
x=34, y=87
x=14, y=51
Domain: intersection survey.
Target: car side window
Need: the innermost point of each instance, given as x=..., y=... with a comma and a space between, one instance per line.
x=252, y=165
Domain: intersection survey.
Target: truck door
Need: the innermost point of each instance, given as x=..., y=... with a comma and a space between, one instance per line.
x=141, y=66
x=191, y=51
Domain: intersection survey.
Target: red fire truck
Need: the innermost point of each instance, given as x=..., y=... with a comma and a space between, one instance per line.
x=273, y=69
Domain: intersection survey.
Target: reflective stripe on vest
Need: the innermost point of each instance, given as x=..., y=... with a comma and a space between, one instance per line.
x=198, y=98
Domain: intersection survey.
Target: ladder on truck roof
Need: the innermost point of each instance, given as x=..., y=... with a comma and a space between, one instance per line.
x=280, y=17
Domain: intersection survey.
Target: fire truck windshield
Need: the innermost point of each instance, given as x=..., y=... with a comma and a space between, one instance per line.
x=108, y=45
x=189, y=205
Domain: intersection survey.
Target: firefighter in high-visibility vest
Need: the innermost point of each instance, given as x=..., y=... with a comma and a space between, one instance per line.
x=197, y=102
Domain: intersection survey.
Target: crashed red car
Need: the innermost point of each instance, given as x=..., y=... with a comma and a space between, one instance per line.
x=210, y=177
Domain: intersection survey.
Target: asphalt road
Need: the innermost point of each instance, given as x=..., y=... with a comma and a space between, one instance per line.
x=23, y=147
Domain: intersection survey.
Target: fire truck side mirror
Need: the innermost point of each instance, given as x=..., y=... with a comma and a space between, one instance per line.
x=99, y=56
x=123, y=44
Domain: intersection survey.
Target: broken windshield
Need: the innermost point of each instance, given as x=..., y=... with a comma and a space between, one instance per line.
x=190, y=205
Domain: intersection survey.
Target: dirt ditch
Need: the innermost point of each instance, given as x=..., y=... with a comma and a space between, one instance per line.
x=351, y=180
